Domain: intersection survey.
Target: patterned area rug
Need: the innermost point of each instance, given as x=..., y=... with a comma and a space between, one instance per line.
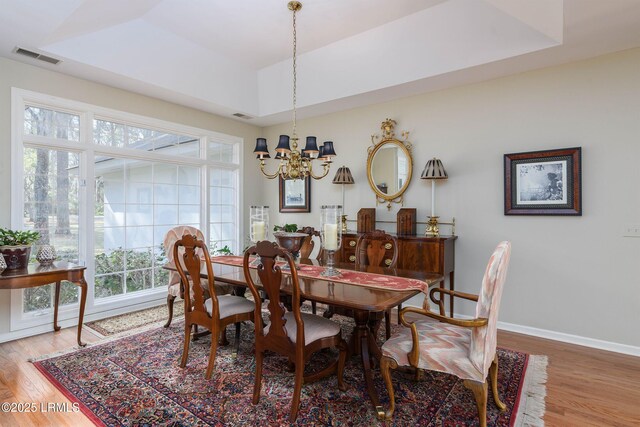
x=136, y=380
x=127, y=322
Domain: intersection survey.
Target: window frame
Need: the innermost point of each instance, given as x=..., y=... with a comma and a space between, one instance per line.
x=37, y=322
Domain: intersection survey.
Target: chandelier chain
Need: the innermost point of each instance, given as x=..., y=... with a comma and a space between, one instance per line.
x=295, y=77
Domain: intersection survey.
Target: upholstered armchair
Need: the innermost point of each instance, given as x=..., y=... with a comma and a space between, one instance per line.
x=464, y=348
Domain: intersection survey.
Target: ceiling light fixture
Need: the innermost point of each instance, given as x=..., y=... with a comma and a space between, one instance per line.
x=295, y=164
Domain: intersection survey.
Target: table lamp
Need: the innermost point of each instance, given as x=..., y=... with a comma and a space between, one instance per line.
x=433, y=170
x=343, y=176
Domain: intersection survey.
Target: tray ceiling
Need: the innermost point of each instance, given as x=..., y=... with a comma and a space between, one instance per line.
x=235, y=57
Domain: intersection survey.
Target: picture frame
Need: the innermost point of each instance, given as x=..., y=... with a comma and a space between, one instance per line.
x=295, y=195
x=547, y=182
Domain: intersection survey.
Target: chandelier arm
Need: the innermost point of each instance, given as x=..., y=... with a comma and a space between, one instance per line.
x=325, y=171
x=270, y=176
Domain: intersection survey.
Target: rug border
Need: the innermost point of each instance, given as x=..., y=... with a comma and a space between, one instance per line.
x=530, y=408
x=62, y=389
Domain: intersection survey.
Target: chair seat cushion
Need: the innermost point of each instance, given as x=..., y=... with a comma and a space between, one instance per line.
x=443, y=348
x=315, y=327
x=174, y=290
x=229, y=305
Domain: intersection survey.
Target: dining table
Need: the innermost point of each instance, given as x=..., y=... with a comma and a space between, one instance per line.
x=364, y=299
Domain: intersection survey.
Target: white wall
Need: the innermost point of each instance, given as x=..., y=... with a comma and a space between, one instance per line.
x=15, y=74
x=575, y=275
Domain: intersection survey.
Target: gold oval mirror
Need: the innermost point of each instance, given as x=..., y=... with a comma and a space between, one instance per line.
x=389, y=165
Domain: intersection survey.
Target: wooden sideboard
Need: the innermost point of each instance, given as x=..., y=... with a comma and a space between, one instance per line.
x=420, y=253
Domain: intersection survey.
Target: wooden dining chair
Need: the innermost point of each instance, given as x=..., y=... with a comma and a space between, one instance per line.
x=175, y=290
x=372, y=249
x=307, y=249
x=213, y=313
x=293, y=334
x=464, y=348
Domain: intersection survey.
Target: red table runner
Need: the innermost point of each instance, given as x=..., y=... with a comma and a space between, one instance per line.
x=351, y=277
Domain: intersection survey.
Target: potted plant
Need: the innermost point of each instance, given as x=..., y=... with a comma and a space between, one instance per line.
x=15, y=246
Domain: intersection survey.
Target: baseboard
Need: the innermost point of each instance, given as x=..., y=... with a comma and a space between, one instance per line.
x=570, y=339
x=562, y=337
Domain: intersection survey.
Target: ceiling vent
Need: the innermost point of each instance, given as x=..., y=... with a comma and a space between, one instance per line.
x=36, y=55
x=242, y=116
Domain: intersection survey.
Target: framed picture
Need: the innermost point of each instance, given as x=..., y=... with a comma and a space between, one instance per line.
x=295, y=195
x=543, y=182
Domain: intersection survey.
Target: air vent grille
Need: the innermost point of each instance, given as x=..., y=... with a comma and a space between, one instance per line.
x=36, y=55
x=242, y=116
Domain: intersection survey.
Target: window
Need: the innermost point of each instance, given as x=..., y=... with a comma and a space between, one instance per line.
x=144, y=177
x=51, y=208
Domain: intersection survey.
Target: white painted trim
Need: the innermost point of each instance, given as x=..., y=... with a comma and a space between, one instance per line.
x=24, y=324
x=73, y=322
x=559, y=336
x=570, y=338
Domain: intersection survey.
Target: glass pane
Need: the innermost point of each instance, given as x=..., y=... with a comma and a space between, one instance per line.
x=188, y=175
x=160, y=277
x=108, y=133
x=139, y=258
x=189, y=214
x=166, y=193
x=165, y=174
x=189, y=194
x=35, y=299
x=165, y=214
x=68, y=293
x=139, y=280
x=51, y=123
x=223, y=152
x=109, y=285
x=51, y=198
x=109, y=261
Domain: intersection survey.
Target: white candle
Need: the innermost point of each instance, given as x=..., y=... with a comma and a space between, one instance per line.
x=331, y=237
x=258, y=230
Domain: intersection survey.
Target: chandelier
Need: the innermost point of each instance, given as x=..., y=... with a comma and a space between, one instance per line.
x=295, y=164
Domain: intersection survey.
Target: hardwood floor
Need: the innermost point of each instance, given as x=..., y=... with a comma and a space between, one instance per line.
x=585, y=387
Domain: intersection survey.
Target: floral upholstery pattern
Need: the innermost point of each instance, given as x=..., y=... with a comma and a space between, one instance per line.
x=484, y=340
x=443, y=348
x=170, y=239
x=464, y=352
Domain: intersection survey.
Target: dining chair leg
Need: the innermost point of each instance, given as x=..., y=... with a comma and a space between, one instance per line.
x=342, y=359
x=313, y=307
x=237, y=343
x=185, y=348
x=493, y=375
x=257, y=385
x=170, y=300
x=386, y=364
x=297, y=388
x=480, y=393
x=212, y=354
x=399, y=309
x=387, y=324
